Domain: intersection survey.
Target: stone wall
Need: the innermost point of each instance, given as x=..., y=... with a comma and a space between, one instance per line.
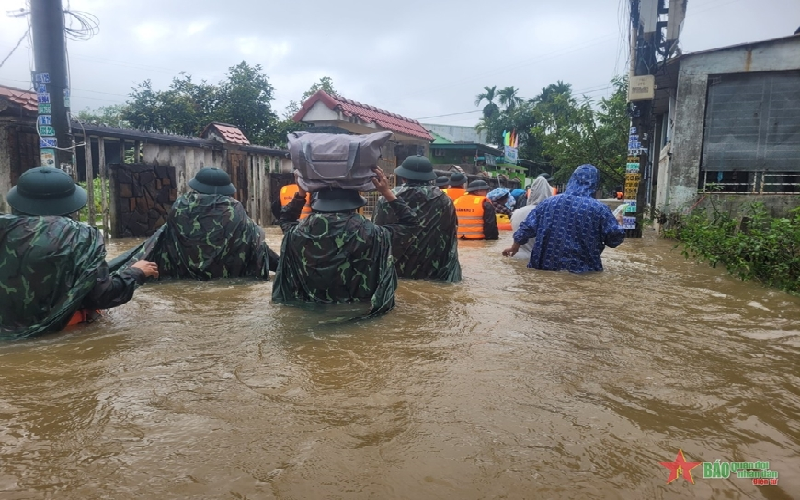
x=144, y=195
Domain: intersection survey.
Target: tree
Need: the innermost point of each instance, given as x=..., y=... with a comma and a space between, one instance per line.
x=184, y=108
x=490, y=110
x=325, y=83
x=109, y=116
x=508, y=97
x=242, y=99
x=573, y=133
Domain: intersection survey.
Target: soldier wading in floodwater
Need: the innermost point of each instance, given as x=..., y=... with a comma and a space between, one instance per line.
x=208, y=235
x=431, y=250
x=335, y=255
x=52, y=269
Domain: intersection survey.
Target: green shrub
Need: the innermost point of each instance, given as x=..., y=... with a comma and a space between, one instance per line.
x=755, y=247
x=98, y=205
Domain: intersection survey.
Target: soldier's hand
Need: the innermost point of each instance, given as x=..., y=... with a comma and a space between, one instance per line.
x=150, y=269
x=300, y=191
x=382, y=184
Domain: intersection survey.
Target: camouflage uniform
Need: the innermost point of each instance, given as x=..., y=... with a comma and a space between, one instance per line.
x=206, y=236
x=432, y=251
x=50, y=267
x=338, y=257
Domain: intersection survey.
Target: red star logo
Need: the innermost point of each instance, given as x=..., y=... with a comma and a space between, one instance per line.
x=680, y=466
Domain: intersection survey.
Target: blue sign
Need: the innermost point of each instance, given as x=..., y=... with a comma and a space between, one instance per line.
x=45, y=119
x=46, y=142
x=42, y=77
x=628, y=222
x=43, y=98
x=511, y=154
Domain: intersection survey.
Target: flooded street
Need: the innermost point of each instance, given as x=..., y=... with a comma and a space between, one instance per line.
x=513, y=384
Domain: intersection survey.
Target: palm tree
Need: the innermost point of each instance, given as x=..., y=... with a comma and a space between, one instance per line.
x=508, y=97
x=491, y=108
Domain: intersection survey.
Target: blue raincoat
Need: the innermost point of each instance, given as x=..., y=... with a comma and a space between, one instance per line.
x=571, y=230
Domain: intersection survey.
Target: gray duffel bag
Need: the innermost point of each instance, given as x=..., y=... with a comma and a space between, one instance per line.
x=336, y=160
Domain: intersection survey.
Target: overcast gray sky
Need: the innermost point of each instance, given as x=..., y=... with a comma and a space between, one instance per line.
x=418, y=58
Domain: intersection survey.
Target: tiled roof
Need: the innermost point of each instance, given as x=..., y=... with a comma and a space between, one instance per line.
x=230, y=133
x=26, y=99
x=367, y=114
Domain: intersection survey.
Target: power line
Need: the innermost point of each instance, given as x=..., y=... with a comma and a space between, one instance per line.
x=15, y=47
x=535, y=59
x=450, y=114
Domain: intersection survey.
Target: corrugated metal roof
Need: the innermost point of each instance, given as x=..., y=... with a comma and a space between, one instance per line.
x=26, y=99
x=367, y=114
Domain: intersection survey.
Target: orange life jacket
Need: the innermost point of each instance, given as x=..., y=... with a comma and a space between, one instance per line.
x=83, y=316
x=470, y=217
x=555, y=190
x=287, y=193
x=454, y=193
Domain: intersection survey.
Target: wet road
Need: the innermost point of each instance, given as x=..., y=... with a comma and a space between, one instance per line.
x=514, y=384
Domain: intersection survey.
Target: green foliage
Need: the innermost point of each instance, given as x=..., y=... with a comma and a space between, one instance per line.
x=573, y=133
x=557, y=129
x=110, y=116
x=758, y=247
x=83, y=214
x=491, y=110
x=242, y=99
x=325, y=83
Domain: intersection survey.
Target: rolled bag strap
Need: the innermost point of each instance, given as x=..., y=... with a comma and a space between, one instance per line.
x=83, y=316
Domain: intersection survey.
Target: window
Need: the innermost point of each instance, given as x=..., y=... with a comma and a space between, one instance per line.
x=438, y=152
x=752, y=123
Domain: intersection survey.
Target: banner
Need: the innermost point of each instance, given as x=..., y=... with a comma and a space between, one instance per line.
x=511, y=154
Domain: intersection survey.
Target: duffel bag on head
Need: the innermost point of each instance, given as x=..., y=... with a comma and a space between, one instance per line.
x=336, y=160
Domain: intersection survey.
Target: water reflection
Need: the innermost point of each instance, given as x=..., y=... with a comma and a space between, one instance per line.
x=515, y=383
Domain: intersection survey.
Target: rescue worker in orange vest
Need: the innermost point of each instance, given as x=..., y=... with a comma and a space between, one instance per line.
x=456, y=189
x=287, y=193
x=477, y=219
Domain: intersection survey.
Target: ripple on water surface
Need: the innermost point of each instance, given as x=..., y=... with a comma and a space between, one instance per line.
x=515, y=383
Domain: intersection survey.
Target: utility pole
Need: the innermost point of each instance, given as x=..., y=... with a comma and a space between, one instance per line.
x=50, y=80
x=644, y=44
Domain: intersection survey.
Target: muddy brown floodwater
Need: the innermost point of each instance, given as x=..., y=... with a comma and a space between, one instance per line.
x=513, y=384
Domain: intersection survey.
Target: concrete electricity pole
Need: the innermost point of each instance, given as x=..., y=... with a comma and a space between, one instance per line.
x=50, y=80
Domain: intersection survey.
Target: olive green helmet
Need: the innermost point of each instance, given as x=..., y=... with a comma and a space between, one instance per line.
x=46, y=191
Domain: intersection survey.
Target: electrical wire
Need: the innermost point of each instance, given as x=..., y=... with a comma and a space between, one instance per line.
x=87, y=25
x=15, y=48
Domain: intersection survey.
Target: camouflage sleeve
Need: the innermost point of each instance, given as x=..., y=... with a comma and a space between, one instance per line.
x=490, y=231
x=291, y=212
x=404, y=215
x=273, y=259
x=112, y=290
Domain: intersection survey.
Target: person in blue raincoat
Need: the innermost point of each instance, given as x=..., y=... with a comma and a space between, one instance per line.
x=570, y=230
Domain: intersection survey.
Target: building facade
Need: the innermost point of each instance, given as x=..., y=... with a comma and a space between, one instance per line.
x=728, y=127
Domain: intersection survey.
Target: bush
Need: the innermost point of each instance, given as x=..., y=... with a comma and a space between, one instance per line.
x=757, y=247
x=98, y=205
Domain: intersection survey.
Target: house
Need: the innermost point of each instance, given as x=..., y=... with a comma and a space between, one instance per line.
x=144, y=171
x=323, y=112
x=19, y=141
x=456, y=133
x=472, y=157
x=728, y=127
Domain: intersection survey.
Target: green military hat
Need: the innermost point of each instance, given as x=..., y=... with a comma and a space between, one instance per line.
x=416, y=168
x=442, y=181
x=46, y=191
x=337, y=200
x=477, y=186
x=212, y=180
x=457, y=179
